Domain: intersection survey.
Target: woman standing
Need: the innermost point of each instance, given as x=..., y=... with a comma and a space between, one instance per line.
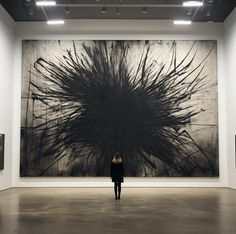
x=117, y=174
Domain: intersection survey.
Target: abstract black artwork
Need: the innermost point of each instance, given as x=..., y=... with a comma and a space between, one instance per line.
x=154, y=102
x=2, y=137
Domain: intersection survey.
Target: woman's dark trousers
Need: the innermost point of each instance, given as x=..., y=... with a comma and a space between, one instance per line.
x=117, y=188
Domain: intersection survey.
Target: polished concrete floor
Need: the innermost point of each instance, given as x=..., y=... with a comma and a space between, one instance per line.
x=93, y=210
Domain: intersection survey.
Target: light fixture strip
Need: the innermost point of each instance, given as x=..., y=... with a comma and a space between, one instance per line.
x=182, y=22
x=193, y=4
x=45, y=3
x=55, y=22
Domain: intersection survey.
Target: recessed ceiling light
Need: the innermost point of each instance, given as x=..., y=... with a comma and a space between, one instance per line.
x=117, y=11
x=192, y=3
x=104, y=10
x=55, y=22
x=31, y=11
x=67, y=10
x=208, y=14
x=144, y=10
x=189, y=11
x=183, y=22
x=45, y=3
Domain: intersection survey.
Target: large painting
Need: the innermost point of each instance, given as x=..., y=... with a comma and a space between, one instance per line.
x=154, y=102
x=2, y=139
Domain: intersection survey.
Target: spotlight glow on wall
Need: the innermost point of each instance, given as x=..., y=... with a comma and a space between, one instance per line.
x=193, y=4
x=55, y=22
x=45, y=3
x=182, y=22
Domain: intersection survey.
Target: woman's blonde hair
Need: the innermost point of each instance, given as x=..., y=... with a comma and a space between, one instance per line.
x=117, y=158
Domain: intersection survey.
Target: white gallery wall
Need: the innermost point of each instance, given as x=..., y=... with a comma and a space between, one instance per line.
x=6, y=93
x=230, y=83
x=11, y=36
x=126, y=30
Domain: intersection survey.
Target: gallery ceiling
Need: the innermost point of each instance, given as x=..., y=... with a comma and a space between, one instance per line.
x=212, y=10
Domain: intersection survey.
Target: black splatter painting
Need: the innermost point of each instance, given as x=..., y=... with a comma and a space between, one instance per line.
x=2, y=141
x=154, y=102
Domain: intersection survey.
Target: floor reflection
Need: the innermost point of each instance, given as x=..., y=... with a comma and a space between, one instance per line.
x=80, y=210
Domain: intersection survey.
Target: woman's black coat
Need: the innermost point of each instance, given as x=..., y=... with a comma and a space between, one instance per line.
x=117, y=172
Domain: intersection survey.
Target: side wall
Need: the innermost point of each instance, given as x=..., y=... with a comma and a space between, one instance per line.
x=230, y=83
x=6, y=92
x=127, y=30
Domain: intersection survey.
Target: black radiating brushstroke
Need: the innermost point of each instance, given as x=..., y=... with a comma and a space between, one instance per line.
x=97, y=105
